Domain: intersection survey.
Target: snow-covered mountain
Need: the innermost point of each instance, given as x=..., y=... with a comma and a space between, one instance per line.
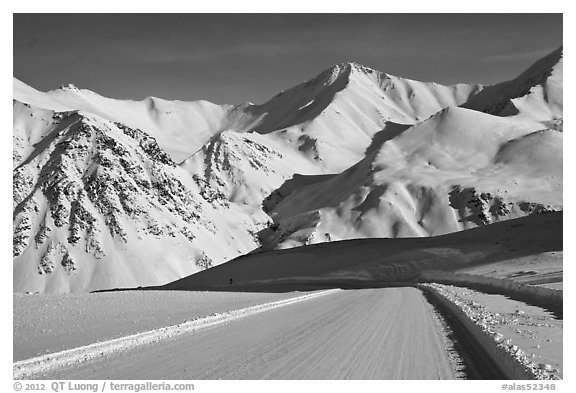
x=98, y=204
x=320, y=126
x=180, y=128
x=334, y=116
x=112, y=193
x=458, y=169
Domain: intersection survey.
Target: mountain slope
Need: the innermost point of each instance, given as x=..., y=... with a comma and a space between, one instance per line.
x=458, y=169
x=245, y=167
x=369, y=262
x=98, y=204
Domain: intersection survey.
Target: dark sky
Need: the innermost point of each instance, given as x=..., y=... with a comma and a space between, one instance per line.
x=231, y=58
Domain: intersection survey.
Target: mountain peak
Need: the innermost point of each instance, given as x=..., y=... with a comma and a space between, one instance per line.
x=543, y=77
x=69, y=86
x=360, y=67
x=330, y=75
x=348, y=69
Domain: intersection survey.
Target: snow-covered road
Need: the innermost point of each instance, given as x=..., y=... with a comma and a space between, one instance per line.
x=388, y=333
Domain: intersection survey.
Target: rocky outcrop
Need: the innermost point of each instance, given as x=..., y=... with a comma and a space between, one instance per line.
x=483, y=208
x=96, y=183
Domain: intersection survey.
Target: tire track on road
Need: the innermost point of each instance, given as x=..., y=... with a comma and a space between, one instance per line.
x=354, y=334
x=49, y=362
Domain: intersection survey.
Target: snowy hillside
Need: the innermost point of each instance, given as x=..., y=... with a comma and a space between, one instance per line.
x=368, y=262
x=114, y=193
x=98, y=204
x=458, y=169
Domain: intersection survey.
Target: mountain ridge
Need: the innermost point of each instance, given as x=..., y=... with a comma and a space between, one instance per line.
x=505, y=98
